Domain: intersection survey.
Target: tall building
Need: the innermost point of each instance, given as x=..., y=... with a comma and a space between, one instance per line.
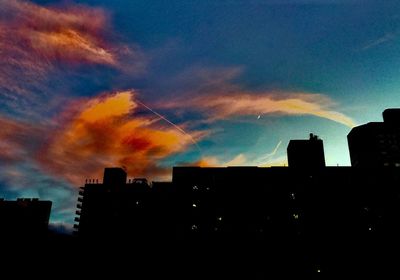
x=25, y=217
x=376, y=144
x=116, y=207
x=306, y=153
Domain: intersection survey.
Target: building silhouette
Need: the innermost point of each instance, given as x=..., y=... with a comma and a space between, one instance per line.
x=25, y=217
x=307, y=219
x=376, y=144
x=299, y=218
x=114, y=207
x=306, y=153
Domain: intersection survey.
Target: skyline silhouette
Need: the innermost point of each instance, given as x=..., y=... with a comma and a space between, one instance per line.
x=295, y=219
x=149, y=86
x=299, y=217
x=246, y=130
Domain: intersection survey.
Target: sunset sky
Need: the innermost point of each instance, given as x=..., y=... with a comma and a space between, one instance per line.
x=152, y=84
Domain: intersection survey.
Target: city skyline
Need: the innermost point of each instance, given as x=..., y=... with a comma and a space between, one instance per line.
x=151, y=85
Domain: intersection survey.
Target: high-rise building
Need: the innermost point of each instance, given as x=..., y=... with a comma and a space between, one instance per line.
x=306, y=153
x=116, y=207
x=376, y=144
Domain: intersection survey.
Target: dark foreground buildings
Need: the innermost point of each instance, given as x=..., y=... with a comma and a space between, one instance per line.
x=306, y=220
x=303, y=220
x=376, y=144
x=24, y=218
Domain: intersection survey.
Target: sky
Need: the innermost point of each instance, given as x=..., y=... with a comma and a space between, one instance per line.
x=149, y=85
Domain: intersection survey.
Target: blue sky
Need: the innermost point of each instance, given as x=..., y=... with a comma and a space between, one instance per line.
x=288, y=68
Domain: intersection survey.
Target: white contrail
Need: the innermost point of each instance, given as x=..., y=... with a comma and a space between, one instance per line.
x=267, y=156
x=171, y=123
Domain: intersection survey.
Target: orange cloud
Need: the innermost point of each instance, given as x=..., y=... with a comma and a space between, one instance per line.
x=104, y=132
x=222, y=106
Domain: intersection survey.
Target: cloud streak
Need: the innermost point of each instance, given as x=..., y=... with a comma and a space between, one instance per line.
x=223, y=107
x=74, y=33
x=386, y=38
x=215, y=94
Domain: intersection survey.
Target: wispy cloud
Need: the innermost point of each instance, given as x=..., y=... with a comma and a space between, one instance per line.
x=36, y=41
x=223, y=107
x=215, y=161
x=74, y=33
x=385, y=38
x=214, y=94
x=272, y=158
x=18, y=140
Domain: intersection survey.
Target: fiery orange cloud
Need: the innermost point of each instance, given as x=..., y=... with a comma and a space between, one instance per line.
x=104, y=131
x=222, y=106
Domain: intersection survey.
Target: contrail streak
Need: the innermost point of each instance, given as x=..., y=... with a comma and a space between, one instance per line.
x=272, y=153
x=171, y=123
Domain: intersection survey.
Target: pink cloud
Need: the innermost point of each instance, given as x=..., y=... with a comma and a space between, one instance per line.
x=35, y=40
x=214, y=94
